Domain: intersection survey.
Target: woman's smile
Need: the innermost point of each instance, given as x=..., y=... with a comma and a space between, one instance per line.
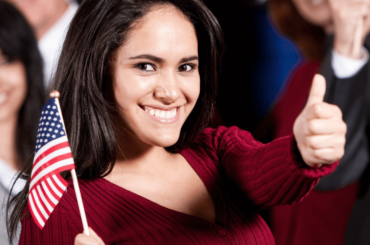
x=168, y=115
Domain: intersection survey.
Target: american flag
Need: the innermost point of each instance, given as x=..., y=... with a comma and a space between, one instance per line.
x=53, y=155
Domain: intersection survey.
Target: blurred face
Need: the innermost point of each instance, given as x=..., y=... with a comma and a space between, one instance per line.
x=316, y=12
x=156, y=81
x=12, y=88
x=41, y=13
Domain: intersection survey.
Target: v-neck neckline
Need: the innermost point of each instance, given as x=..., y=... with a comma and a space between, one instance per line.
x=208, y=181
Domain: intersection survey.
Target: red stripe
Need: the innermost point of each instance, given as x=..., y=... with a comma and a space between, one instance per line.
x=56, y=171
x=42, y=203
x=50, y=150
x=62, y=180
x=56, y=185
x=51, y=162
x=47, y=197
x=52, y=191
x=38, y=211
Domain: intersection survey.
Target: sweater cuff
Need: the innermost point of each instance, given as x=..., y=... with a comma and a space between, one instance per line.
x=302, y=168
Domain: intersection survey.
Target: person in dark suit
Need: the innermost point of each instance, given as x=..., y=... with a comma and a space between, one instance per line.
x=339, y=26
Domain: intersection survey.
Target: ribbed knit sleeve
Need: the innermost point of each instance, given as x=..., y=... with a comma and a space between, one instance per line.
x=58, y=230
x=268, y=174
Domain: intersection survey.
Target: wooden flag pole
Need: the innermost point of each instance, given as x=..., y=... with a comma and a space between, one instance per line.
x=55, y=94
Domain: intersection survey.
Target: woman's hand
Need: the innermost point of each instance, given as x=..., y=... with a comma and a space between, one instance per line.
x=319, y=130
x=351, y=23
x=93, y=239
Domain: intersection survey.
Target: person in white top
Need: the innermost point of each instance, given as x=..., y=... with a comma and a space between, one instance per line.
x=50, y=20
x=21, y=94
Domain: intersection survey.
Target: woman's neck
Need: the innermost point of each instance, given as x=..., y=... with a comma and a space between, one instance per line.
x=8, y=142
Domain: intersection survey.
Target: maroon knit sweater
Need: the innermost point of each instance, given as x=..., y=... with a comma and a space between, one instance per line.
x=241, y=175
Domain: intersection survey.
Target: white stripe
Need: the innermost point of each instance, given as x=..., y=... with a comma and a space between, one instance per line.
x=50, y=169
x=54, y=188
x=56, y=180
x=55, y=201
x=49, y=157
x=34, y=211
x=49, y=145
x=44, y=199
x=40, y=205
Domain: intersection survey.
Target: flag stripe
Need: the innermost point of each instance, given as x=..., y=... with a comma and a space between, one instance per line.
x=44, y=200
x=46, y=196
x=55, y=166
x=56, y=191
x=60, y=149
x=49, y=145
x=61, y=186
x=52, y=198
x=52, y=162
x=39, y=221
x=41, y=208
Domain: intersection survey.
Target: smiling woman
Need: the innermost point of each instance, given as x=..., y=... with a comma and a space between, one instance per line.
x=138, y=80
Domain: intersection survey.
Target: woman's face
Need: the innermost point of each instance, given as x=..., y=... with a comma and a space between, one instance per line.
x=316, y=12
x=13, y=88
x=156, y=80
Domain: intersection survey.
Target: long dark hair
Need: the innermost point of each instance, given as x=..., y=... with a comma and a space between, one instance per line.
x=82, y=78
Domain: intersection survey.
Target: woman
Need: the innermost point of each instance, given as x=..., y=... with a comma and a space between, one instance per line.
x=327, y=34
x=20, y=101
x=137, y=80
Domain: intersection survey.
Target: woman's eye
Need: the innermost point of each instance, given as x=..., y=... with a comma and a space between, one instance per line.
x=146, y=67
x=185, y=68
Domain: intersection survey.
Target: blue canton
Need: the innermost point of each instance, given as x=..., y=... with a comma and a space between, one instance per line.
x=50, y=125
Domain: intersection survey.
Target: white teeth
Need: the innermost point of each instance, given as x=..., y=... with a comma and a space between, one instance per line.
x=3, y=97
x=161, y=113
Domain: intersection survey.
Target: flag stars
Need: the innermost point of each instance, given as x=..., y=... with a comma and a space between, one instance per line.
x=47, y=135
x=54, y=107
x=61, y=132
x=58, y=126
x=48, y=107
x=55, y=119
x=50, y=129
x=51, y=113
x=46, y=112
x=53, y=136
x=56, y=131
x=53, y=124
x=49, y=118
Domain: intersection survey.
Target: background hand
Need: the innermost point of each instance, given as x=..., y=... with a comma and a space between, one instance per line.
x=319, y=130
x=351, y=21
x=93, y=239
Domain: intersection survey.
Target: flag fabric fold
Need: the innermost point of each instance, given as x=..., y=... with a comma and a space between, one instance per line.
x=52, y=156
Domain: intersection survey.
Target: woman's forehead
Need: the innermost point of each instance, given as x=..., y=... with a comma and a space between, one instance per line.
x=163, y=31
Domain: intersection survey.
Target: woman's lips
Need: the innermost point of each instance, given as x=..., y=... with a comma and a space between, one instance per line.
x=164, y=116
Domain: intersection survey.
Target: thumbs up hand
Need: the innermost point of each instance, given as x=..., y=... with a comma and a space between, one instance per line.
x=319, y=130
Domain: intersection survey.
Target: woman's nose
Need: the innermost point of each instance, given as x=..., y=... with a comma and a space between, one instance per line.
x=168, y=92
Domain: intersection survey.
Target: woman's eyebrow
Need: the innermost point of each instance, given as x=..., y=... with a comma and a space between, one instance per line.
x=149, y=57
x=160, y=60
x=191, y=58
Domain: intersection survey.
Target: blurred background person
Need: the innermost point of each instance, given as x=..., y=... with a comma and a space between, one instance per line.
x=50, y=20
x=21, y=93
x=331, y=35
x=256, y=63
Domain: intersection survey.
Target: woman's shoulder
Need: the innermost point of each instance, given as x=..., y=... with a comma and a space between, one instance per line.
x=223, y=136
